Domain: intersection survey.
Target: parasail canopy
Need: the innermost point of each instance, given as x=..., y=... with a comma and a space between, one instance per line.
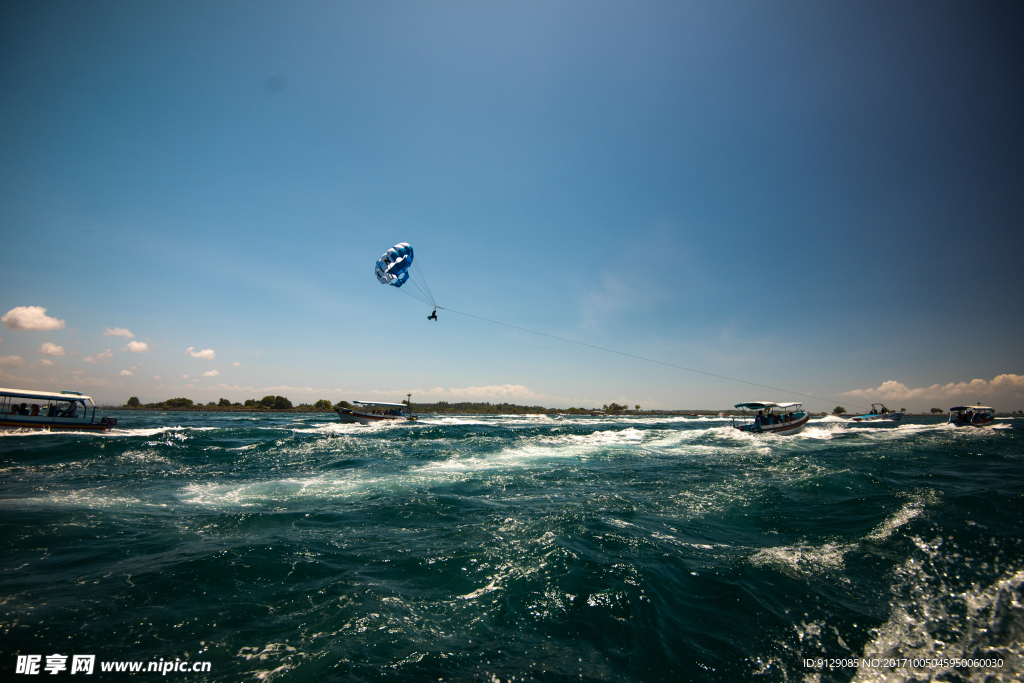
x=395, y=268
x=394, y=264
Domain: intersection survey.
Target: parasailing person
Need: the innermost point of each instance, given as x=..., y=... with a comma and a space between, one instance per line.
x=395, y=267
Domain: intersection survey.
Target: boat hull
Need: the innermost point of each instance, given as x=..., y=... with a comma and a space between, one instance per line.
x=783, y=429
x=887, y=417
x=979, y=422
x=51, y=424
x=353, y=417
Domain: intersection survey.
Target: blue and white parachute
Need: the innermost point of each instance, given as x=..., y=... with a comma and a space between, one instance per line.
x=395, y=268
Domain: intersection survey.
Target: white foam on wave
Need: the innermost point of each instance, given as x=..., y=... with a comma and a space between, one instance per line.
x=281, y=656
x=95, y=499
x=909, y=511
x=806, y=558
x=329, y=428
x=452, y=421
x=285, y=490
x=539, y=450
x=983, y=623
x=823, y=433
x=110, y=433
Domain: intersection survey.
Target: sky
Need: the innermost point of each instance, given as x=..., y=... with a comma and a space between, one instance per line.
x=792, y=199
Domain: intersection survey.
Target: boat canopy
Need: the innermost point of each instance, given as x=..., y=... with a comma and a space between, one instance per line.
x=755, y=405
x=47, y=395
x=380, y=403
x=769, y=405
x=974, y=408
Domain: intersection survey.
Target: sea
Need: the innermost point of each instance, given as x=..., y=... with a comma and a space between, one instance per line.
x=290, y=547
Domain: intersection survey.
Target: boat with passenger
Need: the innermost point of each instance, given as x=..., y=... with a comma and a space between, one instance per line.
x=879, y=412
x=370, y=412
x=784, y=419
x=971, y=416
x=68, y=410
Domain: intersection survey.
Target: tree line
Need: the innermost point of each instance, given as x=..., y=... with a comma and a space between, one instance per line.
x=252, y=404
x=323, y=405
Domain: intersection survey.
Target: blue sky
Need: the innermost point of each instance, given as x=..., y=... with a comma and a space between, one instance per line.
x=820, y=197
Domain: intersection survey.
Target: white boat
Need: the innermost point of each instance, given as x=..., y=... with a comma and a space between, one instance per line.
x=369, y=412
x=972, y=416
x=879, y=412
x=784, y=419
x=25, y=409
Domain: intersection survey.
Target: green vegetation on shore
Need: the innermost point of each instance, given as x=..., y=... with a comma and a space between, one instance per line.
x=267, y=403
x=280, y=403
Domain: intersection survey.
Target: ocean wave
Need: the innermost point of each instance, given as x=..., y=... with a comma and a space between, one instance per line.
x=937, y=621
x=808, y=558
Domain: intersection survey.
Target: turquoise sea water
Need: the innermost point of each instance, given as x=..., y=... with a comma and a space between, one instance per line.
x=293, y=548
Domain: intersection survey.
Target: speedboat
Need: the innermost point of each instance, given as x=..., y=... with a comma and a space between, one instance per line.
x=784, y=419
x=879, y=412
x=971, y=416
x=24, y=409
x=369, y=412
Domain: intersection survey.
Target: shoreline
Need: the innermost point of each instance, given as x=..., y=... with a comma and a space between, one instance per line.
x=550, y=411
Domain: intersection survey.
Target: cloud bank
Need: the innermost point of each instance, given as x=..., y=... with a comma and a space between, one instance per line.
x=1002, y=387
x=117, y=332
x=205, y=354
x=137, y=347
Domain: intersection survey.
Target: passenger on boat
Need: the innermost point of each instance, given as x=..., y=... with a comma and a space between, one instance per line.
x=35, y=409
x=23, y=410
x=71, y=410
x=758, y=419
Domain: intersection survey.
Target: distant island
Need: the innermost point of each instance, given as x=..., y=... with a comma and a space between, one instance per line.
x=282, y=404
x=278, y=404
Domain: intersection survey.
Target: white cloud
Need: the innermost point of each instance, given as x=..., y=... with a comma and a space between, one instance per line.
x=234, y=386
x=137, y=347
x=205, y=354
x=93, y=382
x=503, y=391
x=184, y=376
x=49, y=349
x=236, y=363
x=1001, y=387
x=117, y=332
x=158, y=378
x=30, y=318
x=99, y=357
x=211, y=373
x=11, y=361
x=127, y=373
x=42, y=363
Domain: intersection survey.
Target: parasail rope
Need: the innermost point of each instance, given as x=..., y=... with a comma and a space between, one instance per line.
x=422, y=277
x=416, y=294
x=651, y=360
